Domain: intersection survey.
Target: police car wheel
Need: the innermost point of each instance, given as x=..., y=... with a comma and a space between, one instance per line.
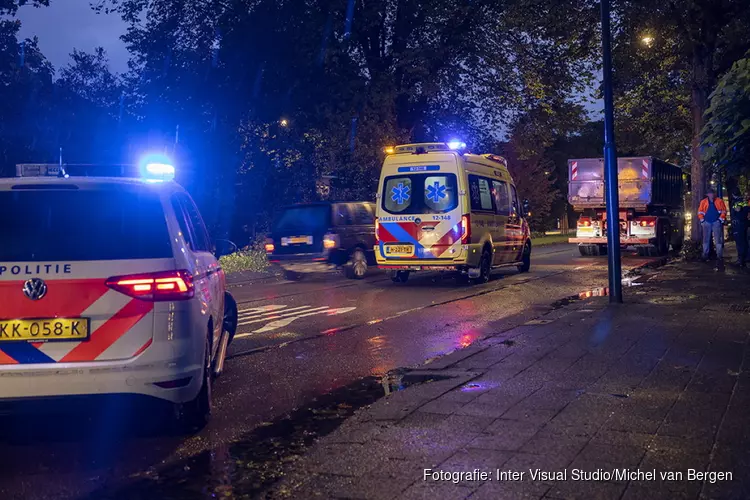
x=194, y=415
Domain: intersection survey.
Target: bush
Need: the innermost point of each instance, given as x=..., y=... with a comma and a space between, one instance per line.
x=248, y=259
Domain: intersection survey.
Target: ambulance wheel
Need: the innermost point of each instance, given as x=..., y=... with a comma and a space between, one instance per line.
x=357, y=267
x=602, y=249
x=525, y=264
x=485, y=268
x=194, y=415
x=400, y=276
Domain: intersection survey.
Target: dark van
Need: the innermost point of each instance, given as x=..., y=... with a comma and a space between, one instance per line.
x=341, y=234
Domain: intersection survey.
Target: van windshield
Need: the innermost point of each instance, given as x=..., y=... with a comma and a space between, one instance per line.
x=420, y=193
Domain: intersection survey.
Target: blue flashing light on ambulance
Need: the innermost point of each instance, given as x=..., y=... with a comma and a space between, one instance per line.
x=442, y=208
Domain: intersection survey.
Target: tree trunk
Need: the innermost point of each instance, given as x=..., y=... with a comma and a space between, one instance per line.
x=701, y=84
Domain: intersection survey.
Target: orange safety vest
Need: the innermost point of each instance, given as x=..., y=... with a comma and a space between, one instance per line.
x=718, y=203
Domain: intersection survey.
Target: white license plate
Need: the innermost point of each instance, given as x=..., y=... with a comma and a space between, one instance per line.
x=399, y=250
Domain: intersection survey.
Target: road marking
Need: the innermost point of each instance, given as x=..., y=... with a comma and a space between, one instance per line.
x=279, y=316
x=244, y=316
x=275, y=325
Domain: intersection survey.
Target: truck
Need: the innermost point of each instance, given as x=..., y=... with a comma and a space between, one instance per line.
x=651, y=212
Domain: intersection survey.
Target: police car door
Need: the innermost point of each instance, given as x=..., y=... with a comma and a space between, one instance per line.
x=203, y=264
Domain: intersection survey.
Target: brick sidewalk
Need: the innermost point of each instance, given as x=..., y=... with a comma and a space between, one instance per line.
x=661, y=383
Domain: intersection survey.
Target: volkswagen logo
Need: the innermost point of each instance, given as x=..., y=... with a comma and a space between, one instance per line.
x=35, y=288
x=417, y=221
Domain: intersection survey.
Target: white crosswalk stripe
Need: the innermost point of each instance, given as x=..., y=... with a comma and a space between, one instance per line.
x=279, y=316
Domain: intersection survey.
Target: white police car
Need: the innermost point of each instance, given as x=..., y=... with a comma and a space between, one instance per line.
x=109, y=285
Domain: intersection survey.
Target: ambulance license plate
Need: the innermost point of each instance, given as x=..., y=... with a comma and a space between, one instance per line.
x=399, y=250
x=43, y=330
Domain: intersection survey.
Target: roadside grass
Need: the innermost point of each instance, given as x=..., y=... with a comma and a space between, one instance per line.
x=550, y=239
x=251, y=259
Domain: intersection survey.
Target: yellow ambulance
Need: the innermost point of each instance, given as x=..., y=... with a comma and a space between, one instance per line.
x=441, y=208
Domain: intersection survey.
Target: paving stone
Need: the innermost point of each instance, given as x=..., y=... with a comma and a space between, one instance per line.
x=585, y=490
x=510, y=490
x=445, y=407
x=432, y=491
x=473, y=458
x=548, y=442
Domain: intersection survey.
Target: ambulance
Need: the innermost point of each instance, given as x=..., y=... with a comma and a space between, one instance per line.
x=441, y=208
x=110, y=286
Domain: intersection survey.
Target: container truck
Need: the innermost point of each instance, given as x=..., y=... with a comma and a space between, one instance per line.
x=651, y=213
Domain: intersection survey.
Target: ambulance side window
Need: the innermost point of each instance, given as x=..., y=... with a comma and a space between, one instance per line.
x=502, y=200
x=516, y=208
x=481, y=194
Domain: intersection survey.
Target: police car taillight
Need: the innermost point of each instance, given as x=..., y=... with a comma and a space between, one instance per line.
x=155, y=287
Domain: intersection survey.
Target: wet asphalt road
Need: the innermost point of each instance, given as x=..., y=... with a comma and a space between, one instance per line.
x=298, y=340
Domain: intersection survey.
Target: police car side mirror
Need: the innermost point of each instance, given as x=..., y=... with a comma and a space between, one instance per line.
x=224, y=247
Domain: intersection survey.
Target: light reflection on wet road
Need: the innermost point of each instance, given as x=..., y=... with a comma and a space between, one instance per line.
x=298, y=341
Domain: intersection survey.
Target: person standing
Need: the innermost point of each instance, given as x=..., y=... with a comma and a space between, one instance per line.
x=740, y=213
x=712, y=213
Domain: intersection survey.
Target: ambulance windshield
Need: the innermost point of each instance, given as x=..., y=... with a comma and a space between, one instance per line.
x=75, y=225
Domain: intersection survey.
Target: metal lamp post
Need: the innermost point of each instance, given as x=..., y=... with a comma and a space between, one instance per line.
x=610, y=166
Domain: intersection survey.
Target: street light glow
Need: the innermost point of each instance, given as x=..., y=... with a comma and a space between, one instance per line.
x=647, y=40
x=284, y=122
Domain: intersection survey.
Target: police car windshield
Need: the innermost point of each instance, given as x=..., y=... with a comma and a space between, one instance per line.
x=75, y=225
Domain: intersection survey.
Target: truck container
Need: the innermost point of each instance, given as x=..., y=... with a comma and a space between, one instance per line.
x=651, y=212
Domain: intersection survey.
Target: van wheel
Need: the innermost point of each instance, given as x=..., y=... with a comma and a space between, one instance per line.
x=400, y=276
x=357, y=267
x=525, y=264
x=194, y=415
x=485, y=268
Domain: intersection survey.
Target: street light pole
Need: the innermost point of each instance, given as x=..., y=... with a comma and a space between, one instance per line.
x=610, y=166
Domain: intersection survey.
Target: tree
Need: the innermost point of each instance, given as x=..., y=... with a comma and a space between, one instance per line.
x=726, y=135
x=668, y=55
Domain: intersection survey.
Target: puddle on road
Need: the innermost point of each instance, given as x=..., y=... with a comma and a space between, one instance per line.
x=246, y=468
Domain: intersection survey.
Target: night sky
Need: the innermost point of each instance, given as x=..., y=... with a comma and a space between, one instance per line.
x=69, y=24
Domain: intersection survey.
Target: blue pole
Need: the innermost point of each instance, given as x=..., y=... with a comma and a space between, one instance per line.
x=610, y=167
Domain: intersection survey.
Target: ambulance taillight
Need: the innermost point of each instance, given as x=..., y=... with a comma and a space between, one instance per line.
x=466, y=229
x=155, y=287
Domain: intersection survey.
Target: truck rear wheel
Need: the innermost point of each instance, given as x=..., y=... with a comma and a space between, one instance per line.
x=589, y=250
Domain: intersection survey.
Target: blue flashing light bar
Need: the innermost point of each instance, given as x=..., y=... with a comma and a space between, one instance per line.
x=456, y=145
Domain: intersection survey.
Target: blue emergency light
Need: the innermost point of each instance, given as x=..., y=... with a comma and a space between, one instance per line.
x=456, y=145
x=155, y=168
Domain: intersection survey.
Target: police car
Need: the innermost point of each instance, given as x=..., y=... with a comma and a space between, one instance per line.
x=109, y=285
